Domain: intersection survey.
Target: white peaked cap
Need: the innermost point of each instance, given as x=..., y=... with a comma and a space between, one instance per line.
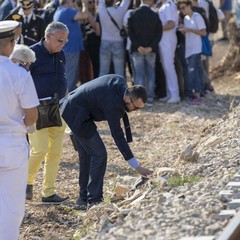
x=7, y=28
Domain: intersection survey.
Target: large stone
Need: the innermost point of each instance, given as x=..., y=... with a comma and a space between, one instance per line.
x=121, y=190
x=189, y=154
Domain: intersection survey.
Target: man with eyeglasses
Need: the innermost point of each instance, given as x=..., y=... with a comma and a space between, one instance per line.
x=17, y=112
x=106, y=98
x=48, y=73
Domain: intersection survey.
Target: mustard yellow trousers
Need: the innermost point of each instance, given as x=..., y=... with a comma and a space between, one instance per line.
x=46, y=144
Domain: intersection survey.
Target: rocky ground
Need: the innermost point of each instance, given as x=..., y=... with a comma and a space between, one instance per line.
x=193, y=152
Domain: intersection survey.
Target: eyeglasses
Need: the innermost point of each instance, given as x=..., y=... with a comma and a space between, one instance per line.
x=90, y=2
x=60, y=40
x=135, y=107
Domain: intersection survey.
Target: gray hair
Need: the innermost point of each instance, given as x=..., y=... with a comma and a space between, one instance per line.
x=54, y=27
x=23, y=53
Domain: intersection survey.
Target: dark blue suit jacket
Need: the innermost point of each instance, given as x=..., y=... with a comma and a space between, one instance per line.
x=144, y=18
x=98, y=100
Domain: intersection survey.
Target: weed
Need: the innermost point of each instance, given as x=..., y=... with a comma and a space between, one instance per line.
x=181, y=180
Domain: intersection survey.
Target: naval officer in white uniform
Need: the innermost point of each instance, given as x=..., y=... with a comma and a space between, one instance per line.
x=167, y=47
x=18, y=101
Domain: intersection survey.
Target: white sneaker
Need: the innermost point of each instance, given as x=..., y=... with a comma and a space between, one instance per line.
x=174, y=100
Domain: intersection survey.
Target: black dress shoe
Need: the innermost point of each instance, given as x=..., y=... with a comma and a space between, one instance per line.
x=29, y=192
x=54, y=199
x=80, y=204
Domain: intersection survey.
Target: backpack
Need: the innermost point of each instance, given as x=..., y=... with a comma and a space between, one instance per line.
x=202, y=12
x=213, y=18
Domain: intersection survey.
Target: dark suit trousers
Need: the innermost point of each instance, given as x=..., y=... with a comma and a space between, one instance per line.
x=93, y=162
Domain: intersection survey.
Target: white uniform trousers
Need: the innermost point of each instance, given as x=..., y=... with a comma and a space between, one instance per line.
x=14, y=151
x=167, y=48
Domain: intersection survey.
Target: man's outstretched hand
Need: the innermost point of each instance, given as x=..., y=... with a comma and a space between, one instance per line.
x=143, y=171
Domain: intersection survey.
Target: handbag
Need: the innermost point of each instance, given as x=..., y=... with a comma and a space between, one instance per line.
x=206, y=46
x=48, y=113
x=48, y=110
x=123, y=32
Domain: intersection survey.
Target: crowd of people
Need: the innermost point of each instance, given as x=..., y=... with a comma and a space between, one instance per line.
x=80, y=52
x=95, y=46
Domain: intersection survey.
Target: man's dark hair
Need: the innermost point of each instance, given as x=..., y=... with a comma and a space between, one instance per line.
x=187, y=2
x=138, y=91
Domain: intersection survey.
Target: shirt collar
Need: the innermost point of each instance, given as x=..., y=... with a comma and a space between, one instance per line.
x=43, y=47
x=125, y=92
x=144, y=5
x=21, y=12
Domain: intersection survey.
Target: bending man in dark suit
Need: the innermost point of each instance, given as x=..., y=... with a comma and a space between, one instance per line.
x=105, y=98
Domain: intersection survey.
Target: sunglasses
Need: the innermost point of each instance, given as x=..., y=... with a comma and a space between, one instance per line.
x=60, y=40
x=135, y=107
x=90, y=2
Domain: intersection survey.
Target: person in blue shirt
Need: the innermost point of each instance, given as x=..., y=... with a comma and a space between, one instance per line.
x=70, y=17
x=106, y=98
x=48, y=74
x=226, y=7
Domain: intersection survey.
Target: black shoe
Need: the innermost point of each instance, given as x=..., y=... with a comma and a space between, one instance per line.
x=80, y=204
x=29, y=192
x=92, y=204
x=54, y=199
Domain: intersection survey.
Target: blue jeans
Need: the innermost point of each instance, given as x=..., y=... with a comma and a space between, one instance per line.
x=196, y=73
x=93, y=162
x=115, y=52
x=144, y=72
x=72, y=66
x=188, y=88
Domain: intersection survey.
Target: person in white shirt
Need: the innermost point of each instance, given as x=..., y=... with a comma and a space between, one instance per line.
x=167, y=47
x=112, y=46
x=17, y=112
x=193, y=27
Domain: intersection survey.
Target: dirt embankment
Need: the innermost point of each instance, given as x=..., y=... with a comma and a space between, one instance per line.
x=161, y=133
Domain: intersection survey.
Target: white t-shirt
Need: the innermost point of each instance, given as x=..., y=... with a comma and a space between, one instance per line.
x=168, y=12
x=17, y=92
x=109, y=31
x=193, y=42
